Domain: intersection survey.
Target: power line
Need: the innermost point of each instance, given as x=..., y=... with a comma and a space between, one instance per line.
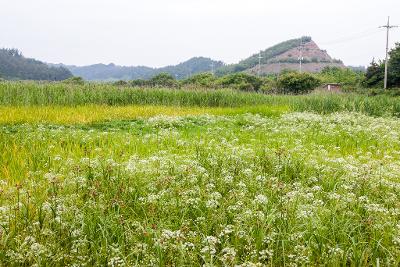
x=352, y=37
x=388, y=27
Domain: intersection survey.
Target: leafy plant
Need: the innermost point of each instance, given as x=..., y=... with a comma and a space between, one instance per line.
x=374, y=75
x=394, y=66
x=205, y=80
x=297, y=83
x=121, y=83
x=376, y=71
x=344, y=76
x=240, y=81
x=163, y=80
x=75, y=81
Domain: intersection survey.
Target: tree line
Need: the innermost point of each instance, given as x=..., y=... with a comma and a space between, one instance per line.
x=375, y=74
x=14, y=66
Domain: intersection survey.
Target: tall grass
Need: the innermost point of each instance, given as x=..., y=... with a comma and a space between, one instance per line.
x=27, y=93
x=47, y=94
x=326, y=103
x=301, y=189
x=96, y=113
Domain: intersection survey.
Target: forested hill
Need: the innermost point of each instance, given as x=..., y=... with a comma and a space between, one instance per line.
x=109, y=72
x=14, y=66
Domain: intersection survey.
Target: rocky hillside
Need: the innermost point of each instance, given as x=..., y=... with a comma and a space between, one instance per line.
x=284, y=56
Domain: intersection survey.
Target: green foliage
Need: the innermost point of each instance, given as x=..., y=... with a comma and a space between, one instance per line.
x=74, y=80
x=192, y=66
x=301, y=189
x=374, y=75
x=62, y=94
x=269, y=84
x=204, y=80
x=139, y=83
x=344, y=76
x=103, y=72
x=163, y=80
x=297, y=83
x=30, y=93
x=240, y=81
x=14, y=66
x=121, y=83
x=394, y=66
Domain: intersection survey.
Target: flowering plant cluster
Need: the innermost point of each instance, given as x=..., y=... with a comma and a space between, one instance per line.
x=242, y=190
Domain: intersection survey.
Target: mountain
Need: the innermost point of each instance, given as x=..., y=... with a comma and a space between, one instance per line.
x=283, y=56
x=14, y=66
x=110, y=72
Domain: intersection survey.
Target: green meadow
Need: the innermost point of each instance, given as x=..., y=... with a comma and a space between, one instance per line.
x=99, y=175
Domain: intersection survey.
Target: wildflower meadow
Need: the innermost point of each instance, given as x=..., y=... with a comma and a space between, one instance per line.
x=271, y=183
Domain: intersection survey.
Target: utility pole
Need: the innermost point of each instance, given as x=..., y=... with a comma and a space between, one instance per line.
x=301, y=55
x=212, y=68
x=259, y=63
x=388, y=27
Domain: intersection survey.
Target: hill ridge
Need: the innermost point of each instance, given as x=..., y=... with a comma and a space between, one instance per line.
x=286, y=56
x=14, y=66
x=111, y=71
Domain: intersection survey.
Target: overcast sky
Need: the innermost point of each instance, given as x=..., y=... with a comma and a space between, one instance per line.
x=165, y=32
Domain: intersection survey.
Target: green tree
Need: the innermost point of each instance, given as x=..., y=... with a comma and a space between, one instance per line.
x=139, y=83
x=345, y=76
x=163, y=80
x=14, y=66
x=74, y=80
x=394, y=67
x=297, y=83
x=241, y=81
x=376, y=71
x=374, y=75
x=121, y=83
x=206, y=80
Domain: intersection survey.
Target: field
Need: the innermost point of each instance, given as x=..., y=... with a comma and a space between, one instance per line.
x=99, y=175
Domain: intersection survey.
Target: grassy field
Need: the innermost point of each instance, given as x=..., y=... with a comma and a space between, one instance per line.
x=270, y=181
x=59, y=94
x=97, y=113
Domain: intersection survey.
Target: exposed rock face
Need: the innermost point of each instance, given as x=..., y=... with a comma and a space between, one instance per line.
x=314, y=60
x=310, y=52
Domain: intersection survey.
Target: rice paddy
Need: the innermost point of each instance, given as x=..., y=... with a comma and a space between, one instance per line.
x=270, y=181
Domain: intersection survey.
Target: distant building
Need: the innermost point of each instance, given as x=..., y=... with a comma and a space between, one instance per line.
x=332, y=87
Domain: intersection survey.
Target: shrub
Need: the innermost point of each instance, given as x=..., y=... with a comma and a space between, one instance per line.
x=75, y=81
x=163, y=80
x=139, y=83
x=241, y=81
x=206, y=80
x=344, y=76
x=297, y=83
x=121, y=83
